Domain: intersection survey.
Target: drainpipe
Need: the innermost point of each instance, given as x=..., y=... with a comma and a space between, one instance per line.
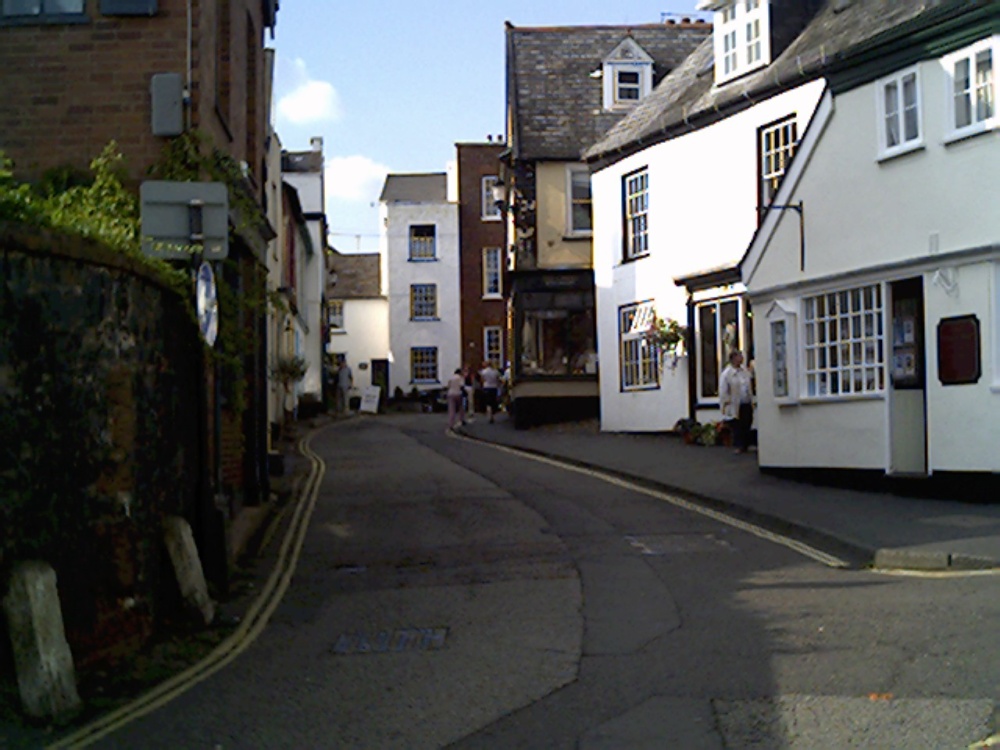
x=692, y=360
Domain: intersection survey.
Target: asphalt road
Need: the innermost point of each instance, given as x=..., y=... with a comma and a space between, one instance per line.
x=452, y=595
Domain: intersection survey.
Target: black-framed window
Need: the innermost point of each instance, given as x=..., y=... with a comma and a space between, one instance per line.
x=776, y=145
x=635, y=194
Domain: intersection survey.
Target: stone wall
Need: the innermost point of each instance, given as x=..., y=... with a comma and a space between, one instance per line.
x=100, y=411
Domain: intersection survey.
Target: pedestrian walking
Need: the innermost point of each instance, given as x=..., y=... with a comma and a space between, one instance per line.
x=736, y=400
x=456, y=395
x=490, y=377
x=345, y=381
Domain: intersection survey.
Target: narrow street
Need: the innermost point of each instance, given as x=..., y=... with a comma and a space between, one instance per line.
x=448, y=594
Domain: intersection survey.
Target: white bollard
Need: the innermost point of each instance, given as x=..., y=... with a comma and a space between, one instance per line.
x=187, y=566
x=44, y=663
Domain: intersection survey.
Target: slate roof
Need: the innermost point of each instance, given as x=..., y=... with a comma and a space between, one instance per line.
x=357, y=275
x=415, y=188
x=556, y=106
x=687, y=99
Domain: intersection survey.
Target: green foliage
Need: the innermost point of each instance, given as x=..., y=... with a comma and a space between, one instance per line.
x=666, y=333
x=288, y=370
x=104, y=209
x=17, y=203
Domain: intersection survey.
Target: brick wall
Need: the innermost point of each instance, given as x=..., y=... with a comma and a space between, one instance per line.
x=69, y=89
x=100, y=406
x=475, y=161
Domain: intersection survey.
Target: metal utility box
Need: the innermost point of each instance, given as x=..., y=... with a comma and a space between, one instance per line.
x=181, y=218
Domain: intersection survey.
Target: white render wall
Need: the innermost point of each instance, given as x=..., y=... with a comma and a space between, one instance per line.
x=365, y=337
x=444, y=333
x=702, y=214
x=863, y=219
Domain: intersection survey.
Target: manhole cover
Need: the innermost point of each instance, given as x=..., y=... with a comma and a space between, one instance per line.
x=391, y=641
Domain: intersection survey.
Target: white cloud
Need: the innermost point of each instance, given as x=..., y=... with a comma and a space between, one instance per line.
x=310, y=101
x=354, y=178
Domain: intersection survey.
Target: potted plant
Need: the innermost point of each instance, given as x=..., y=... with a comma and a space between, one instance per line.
x=668, y=336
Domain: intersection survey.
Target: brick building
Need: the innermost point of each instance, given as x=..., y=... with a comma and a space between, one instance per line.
x=483, y=259
x=78, y=74
x=75, y=79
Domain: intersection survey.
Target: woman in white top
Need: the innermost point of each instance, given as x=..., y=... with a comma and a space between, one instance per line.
x=456, y=389
x=736, y=400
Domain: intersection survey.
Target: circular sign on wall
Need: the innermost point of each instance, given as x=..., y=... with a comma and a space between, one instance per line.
x=207, y=303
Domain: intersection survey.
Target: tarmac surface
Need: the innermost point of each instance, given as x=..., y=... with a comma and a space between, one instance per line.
x=868, y=527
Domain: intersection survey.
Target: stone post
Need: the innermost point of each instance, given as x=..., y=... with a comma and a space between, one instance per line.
x=44, y=664
x=187, y=566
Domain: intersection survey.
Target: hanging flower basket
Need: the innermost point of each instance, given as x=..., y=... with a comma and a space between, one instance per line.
x=669, y=337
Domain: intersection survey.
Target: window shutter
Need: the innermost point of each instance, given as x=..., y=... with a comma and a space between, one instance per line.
x=128, y=7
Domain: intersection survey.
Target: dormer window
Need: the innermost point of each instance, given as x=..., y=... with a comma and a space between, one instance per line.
x=742, y=33
x=628, y=75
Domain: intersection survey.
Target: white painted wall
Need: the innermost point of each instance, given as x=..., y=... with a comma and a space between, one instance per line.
x=863, y=219
x=365, y=336
x=444, y=333
x=312, y=279
x=703, y=214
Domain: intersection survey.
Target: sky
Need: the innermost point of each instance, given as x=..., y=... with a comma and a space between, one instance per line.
x=392, y=86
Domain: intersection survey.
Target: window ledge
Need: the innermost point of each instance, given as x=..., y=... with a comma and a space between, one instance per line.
x=338, y=332
x=424, y=320
x=640, y=388
x=964, y=134
x=44, y=19
x=810, y=400
x=634, y=258
x=492, y=219
x=493, y=296
x=578, y=237
x=897, y=151
x=422, y=260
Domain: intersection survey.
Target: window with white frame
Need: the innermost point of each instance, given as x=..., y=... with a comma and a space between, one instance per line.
x=424, y=364
x=972, y=91
x=636, y=196
x=580, y=218
x=638, y=360
x=627, y=75
x=490, y=209
x=776, y=145
x=901, y=126
x=423, y=301
x=493, y=345
x=335, y=315
x=742, y=36
x=843, y=343
x=422, y=242
x=720, y=330
x=492, y=276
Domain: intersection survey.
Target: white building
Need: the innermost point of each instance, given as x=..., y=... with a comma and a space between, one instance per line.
x=678, y=188
x=419, y=242
x=303, y=170
x=358, y=318
x=878, y=336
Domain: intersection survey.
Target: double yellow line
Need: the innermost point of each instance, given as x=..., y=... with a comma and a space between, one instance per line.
x=250, y=628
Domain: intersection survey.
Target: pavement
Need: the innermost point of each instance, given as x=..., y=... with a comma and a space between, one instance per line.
x=866, y=527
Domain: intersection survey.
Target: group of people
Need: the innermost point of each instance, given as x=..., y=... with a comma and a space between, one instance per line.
x=462, y=387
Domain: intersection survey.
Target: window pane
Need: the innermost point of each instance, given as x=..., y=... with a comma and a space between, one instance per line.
x=22, y=7
x=910, y=110
x=963, y=102
x=891, y=115
x=709, y=360
x=64, y=6
x=984, y=85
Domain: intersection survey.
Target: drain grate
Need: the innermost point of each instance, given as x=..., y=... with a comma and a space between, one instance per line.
x=391, y=641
